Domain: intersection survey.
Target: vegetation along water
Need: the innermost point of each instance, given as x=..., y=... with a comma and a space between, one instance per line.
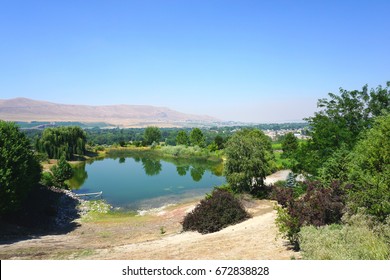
x=141, y=182
x=344, y=158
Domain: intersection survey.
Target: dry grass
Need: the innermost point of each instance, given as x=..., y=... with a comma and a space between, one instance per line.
x=354, y=241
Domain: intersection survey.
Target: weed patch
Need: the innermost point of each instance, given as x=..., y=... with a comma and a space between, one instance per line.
x=343, y=242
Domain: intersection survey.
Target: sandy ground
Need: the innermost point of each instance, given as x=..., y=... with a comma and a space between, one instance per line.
x=157, y=235
x=277, y=176
x=255, y=238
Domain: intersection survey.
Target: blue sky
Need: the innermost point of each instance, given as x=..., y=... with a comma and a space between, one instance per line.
x=255, y=61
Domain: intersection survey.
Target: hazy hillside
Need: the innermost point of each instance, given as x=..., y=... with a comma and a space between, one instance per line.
x=23, y=109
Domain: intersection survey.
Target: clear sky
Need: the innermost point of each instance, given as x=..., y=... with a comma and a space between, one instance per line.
x=256, y=61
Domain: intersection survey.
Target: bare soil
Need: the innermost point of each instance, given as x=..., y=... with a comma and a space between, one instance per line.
x=157, y=235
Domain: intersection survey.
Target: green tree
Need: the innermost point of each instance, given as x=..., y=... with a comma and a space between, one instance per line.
x=379, y=102
x=59, y=141
x=336, y=166
x=218, y=140
x=249, y=160
x=289, y=144
x=182, y=138
x=20, y=171
x=341, y=119
x=197, y=138
x=61, y=172
x=370, y=169
x=152, y=134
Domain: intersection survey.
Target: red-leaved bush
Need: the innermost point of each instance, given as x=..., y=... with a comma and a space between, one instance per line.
x=214, y=213
x=319, y=206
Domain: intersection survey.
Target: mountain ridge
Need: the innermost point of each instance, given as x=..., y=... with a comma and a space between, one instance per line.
x=25, y=109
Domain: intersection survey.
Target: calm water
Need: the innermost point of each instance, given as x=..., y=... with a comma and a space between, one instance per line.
x=147, y=182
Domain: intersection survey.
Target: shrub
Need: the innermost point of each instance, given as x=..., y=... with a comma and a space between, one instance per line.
x=99, y=149
x=61, y=172
x=282, y=195
x=137, y=143
x=224, y=187
x=187, y=152
x=47, y=179
x=214, y=213
x=288, y=226
x=319, y=206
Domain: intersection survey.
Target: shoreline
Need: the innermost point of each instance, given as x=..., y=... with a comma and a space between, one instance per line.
x=159, y=236
x=155, y=235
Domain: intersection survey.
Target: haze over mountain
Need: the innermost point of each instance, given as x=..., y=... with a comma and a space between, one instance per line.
x=24, y=109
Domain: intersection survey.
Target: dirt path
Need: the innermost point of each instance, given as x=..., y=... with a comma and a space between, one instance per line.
x=157, y=235
x=277, y=176
x=255, y=238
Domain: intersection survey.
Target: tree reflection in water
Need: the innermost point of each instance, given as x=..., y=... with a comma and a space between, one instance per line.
x=182, y=170
x=197, y=173
x=151, y=166
x=79, y=176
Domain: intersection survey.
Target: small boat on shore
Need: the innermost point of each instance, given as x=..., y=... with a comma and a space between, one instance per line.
x=95, y=194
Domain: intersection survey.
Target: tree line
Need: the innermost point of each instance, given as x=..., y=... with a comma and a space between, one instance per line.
x=122, y=136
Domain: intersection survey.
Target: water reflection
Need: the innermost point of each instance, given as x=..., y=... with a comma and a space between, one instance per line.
x=137, y=159
x=79, y=176
x=182, y=170
x=131, y=182
x=197, y=173
x=151, y=166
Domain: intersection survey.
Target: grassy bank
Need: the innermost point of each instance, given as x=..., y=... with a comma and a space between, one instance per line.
x=184, y=152
x=355, y=239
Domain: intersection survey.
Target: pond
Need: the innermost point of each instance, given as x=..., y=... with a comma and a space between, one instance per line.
x=135, y=183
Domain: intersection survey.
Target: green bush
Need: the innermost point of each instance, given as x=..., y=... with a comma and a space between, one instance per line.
x=352, y=241
x=289, y=226
x=47, y=179
x=62, y=171
x=187, y=152
x=212, y=214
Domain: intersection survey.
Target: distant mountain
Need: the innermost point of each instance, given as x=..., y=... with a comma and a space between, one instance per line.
x=23, y=109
